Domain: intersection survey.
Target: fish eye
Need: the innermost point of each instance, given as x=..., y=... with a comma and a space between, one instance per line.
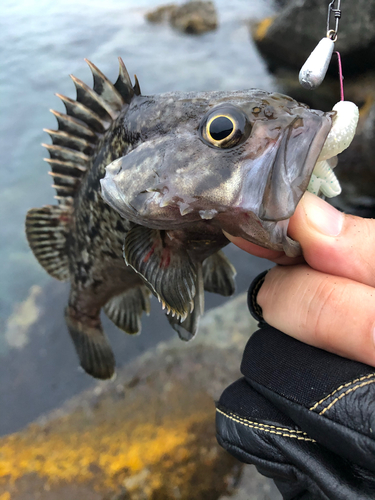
x=225, y=127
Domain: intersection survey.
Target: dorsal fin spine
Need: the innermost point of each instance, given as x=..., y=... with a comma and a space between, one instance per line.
x=66, y=154
x=72, y=125
x=61, y=166
x=82, y=112
x=61, y=138
x=106, y=89
x=136, y=88
x=123, y=84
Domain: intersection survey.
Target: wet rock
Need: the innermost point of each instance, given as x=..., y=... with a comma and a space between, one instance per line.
x=194, y=17
x=289, y=38
x=149, y=434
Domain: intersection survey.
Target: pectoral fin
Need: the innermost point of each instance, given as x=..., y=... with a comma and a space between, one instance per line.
x=188, y=327
x=165, y=266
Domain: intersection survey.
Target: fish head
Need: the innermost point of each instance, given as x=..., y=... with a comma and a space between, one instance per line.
x=241, y=160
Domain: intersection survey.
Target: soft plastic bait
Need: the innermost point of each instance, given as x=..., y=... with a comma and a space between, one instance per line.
x=323, y=180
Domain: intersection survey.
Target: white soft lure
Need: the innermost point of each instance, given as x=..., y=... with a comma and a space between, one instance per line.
x=344, y=124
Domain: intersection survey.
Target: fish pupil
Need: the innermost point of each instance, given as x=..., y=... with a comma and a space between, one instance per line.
x=220, y=128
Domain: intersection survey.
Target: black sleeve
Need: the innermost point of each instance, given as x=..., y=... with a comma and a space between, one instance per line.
x=305, y=417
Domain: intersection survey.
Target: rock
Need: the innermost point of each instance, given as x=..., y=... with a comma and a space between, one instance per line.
x=149, y=434
x=289, y=38
x=194, y=17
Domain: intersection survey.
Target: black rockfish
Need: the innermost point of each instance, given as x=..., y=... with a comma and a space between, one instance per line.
x=145, y=185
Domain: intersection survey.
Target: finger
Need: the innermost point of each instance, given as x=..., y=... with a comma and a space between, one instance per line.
x=330, y=312
x=333, y=242
x=264, y=253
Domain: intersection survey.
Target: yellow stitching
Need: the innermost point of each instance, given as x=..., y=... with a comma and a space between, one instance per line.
x=341, y=387
x=344, y=394
x=266, y=425
x=255, y=425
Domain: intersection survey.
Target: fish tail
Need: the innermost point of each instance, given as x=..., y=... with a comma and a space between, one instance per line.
x=92, y=346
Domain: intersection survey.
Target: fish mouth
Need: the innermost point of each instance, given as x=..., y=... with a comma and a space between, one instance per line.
x=293, y=165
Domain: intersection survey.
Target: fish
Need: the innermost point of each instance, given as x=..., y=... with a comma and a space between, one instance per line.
x=145, y=187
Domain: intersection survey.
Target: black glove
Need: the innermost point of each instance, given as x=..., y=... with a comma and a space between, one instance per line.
x=303, y=416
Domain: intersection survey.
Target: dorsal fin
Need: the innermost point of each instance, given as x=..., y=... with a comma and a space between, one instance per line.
x=87, y=119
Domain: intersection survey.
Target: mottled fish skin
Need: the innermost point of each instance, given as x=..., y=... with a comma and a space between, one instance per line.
x=164, y=199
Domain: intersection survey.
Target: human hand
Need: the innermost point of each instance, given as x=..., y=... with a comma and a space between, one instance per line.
x=327, y=297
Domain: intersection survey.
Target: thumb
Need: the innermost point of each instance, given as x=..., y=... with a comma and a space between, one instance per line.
x=332, y=242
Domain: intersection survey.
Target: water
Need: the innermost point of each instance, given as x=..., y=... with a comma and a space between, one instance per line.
x=41, y=42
